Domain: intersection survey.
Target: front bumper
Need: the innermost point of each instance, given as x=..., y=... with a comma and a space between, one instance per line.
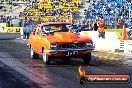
x=70, y=50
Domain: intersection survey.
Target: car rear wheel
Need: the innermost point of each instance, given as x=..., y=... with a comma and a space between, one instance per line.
x=46, y=57
x=34, y=55
x=87, y=58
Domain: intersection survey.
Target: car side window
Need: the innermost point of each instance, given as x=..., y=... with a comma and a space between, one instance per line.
x=45, y=30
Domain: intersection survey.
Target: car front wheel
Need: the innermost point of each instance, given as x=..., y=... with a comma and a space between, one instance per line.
x=46, y=57
x=87, y=58
x=34, y=55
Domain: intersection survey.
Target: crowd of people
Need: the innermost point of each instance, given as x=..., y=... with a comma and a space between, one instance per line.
x=13, y=21
x=7, y=19
x=54, y=13
x=55, y=8
x=114, y=12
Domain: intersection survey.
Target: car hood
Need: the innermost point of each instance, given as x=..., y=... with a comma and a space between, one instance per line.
x=62, y=37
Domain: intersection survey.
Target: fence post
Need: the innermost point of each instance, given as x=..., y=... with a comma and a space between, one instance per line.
x=21, y=31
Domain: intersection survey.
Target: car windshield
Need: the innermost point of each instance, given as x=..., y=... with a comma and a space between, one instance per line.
x=56, y=28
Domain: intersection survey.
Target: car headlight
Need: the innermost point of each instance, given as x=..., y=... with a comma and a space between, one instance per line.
x=53, y=46
x=89, y=43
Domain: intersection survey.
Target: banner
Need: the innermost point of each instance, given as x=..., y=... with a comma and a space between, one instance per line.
x=12, y=29
x=5, y=29
x=2, y=27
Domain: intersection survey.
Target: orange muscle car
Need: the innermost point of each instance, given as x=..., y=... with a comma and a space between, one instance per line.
x=57, y=39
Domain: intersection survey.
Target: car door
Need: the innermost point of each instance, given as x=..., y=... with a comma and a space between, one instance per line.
x=41, y=40
x=32, y=39
x=37, y=40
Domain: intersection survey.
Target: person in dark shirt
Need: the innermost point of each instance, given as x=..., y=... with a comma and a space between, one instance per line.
x=8, y=22
x=95, y=26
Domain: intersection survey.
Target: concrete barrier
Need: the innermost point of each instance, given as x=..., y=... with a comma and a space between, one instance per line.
x=113, y=45
x=106, y=44
x=110, y=43
x=94, y=34
x=128, y=47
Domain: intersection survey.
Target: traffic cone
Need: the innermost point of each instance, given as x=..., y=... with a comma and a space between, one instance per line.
x=124, y=33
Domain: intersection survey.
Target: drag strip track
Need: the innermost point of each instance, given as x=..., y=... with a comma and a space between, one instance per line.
x=9, y=78
x=15, y=55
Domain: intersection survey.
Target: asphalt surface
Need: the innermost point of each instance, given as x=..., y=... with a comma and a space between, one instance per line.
x=18, y=70
x=8, y=80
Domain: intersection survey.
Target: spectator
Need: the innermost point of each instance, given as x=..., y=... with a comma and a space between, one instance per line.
x=20, y=23
x=95, y=27
x=108, y=9
x=101, y=30
x=8, y=23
